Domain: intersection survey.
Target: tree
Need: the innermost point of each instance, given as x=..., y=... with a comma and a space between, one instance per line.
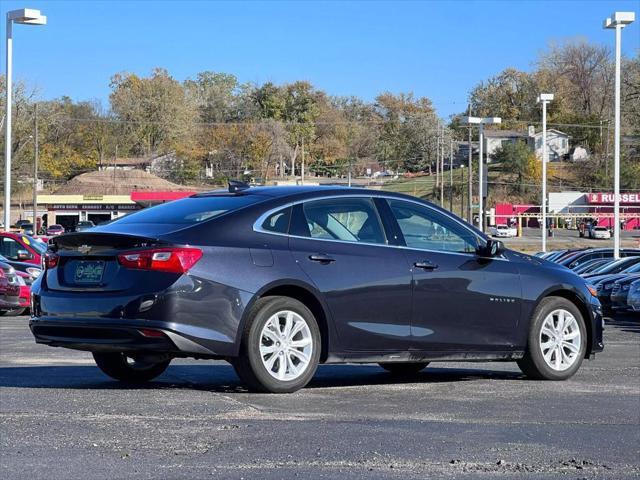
x=155, y=109
x=518, y=159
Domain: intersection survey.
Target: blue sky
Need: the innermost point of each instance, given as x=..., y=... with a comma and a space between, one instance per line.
x=439, y=49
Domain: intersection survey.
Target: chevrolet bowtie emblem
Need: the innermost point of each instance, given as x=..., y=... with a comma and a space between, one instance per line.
x=84, y=249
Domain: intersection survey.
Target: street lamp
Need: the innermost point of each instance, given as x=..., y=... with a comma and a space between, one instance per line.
x=481, y=122
x=617, y=22
x=544, y=98
x=25, y=16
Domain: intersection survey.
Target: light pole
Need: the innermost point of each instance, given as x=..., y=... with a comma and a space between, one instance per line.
x=25, y=16
x=617, y=22
x=481, y=122
x=544, y=98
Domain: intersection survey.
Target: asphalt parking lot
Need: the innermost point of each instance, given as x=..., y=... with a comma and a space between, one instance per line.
x=61, y=418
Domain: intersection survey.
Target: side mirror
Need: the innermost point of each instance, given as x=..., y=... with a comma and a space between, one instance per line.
x=24, y=255
x=493, y=248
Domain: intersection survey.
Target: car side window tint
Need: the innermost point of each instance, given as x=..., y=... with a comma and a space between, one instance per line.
x=427, y=229
x=10, y=248
x=278, y=222
x=345, y=219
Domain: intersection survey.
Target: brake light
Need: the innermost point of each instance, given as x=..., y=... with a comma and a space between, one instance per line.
x=50, y=260
x=174, y=260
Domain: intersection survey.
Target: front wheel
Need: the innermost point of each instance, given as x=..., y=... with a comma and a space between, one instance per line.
x=129, y=368
x=557, y=341
x=280, y=347
x=404, y=368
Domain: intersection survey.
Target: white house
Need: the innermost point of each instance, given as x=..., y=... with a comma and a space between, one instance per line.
x=557, y=141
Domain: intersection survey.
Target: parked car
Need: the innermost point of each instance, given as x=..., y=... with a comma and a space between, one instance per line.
x=28, y=268
x=503, y=231
x=279, y=279
x=22, y=248
x=614, y=266
x=620, y=291
x=604, y=284
x=84, y=225
x=9, y=289
x=20, y=223
x=582, y=256
x=633, y=298
x=600, y=233
x=590, y=266
x=55, y=229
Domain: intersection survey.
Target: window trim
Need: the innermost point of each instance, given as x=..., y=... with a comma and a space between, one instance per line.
x=258, y=222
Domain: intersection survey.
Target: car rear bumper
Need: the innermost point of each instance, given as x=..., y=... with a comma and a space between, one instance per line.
x=113, y=335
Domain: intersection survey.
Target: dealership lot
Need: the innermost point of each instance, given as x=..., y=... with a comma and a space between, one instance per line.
x=62, y=418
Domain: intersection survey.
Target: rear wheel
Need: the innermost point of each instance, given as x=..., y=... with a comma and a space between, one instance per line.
x=557, y=341
x=129, y=368
x=280, y=347
x=405, y=368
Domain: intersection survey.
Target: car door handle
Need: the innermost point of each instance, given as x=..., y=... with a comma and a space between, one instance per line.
x=425, y=265
x=321, y=258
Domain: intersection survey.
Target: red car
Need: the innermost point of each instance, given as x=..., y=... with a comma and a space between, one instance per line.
x=54, y=230
x=22, y=248
x=9, y=291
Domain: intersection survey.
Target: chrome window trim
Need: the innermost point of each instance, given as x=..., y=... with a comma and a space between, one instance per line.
x=257, y=226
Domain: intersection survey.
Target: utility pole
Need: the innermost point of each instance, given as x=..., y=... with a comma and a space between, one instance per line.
x=302, y=164
x=451, y=174
x=442, y=169
x=437, y=158
x=35, y=170
x=544, y=98
x=470, y=177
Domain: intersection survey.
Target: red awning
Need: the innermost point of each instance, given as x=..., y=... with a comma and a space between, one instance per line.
x=150, y=196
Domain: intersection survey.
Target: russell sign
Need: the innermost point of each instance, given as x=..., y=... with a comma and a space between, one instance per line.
x=608, y=198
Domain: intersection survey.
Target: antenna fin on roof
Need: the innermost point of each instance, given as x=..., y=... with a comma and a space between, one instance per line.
x=237, y=186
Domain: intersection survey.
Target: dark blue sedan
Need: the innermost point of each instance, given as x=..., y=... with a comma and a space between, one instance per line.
x=279, y=279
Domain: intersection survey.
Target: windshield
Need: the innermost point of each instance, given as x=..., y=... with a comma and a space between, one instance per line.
x=616, y=266
x=190, y=210
x=38, y=245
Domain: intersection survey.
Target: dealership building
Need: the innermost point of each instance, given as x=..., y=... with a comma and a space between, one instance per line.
x=68, y=210
x=576, y=206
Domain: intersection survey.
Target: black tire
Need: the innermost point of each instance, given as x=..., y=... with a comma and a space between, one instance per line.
x=16, y=312
x=533, y=364
x=129, y=368
x=249, y=366
x=404, y=368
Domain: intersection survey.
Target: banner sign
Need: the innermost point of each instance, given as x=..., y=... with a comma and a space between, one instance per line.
x=608, y=198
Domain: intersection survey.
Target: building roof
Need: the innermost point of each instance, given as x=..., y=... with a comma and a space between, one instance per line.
x=549, y=130
x=117, y=182
x=505, y=134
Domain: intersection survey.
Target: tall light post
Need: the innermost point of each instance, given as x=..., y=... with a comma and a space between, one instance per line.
x=25, y=16
x=617, y=22
x=481, y=122
x=544, y=98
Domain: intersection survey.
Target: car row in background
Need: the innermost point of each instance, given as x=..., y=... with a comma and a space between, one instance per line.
x=617, y=281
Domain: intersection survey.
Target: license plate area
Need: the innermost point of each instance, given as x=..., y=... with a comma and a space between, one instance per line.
x=89, y=272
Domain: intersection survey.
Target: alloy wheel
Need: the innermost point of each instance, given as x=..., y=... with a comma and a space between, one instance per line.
x=286, y=345
x=560, y=339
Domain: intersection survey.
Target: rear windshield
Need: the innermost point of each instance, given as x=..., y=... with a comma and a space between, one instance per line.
x=191, y=210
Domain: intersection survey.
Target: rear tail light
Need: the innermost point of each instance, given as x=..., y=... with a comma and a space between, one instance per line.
x=50, y=260
x=174, y=260
x=150, y=333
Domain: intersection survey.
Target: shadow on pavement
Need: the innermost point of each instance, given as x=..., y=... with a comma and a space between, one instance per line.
x=222, y=378
x=624, y=322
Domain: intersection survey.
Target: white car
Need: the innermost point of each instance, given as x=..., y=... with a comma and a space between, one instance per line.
x=503, y=231
x=600, y=233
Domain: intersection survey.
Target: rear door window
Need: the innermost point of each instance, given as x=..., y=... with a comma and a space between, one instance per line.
x=345, y=219
x=278, y=222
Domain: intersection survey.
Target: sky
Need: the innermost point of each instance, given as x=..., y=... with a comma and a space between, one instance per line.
x=438, y=49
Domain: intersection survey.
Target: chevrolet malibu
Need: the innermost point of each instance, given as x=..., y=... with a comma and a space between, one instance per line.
x=277, y=280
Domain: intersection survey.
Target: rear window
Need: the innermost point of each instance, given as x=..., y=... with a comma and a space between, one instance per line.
x=191, y=210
